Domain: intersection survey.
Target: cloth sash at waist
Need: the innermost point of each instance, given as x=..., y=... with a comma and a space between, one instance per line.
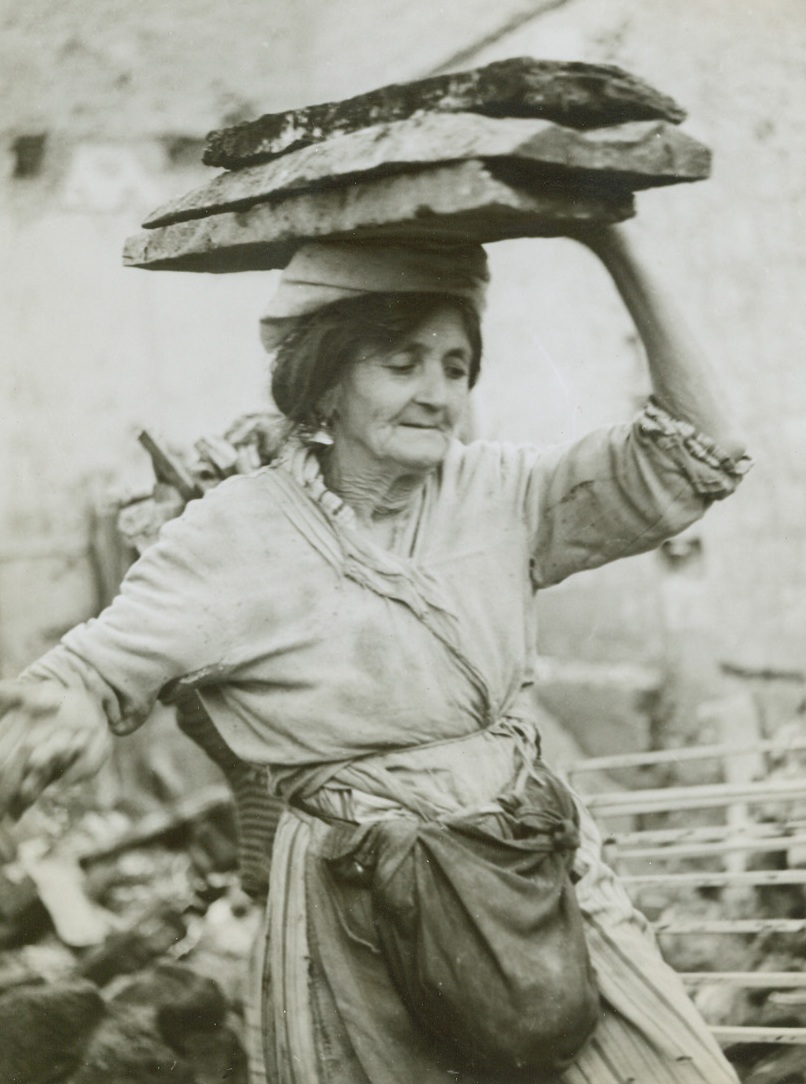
x=438, y=779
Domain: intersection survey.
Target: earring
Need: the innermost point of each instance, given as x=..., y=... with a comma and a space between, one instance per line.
x=320, y=432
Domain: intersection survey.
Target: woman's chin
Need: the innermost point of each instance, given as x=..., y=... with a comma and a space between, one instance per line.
x=421, y=449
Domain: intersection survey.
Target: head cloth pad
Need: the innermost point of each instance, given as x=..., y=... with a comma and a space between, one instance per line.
x=325, y=271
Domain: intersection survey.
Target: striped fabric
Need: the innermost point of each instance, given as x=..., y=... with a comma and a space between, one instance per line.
x=256, y=812
x=649, y=1031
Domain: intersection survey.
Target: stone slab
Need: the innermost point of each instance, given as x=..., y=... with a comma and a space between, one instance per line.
x=639, y=154
x=457, y=203
x=571, y=93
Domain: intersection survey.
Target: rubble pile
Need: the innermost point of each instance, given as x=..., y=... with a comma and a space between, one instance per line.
x=132, y=971
x=519, y=148
x=182, y=475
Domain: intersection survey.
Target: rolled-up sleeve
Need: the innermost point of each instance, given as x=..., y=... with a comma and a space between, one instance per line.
x=622, y=491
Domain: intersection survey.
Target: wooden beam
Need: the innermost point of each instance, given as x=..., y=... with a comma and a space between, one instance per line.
x=674, y=756
x=714, y=832
x=754, y=979
x=744, y=842
x=718, y=879
x=749, y=1034
x=731, y=926
x=707, y=796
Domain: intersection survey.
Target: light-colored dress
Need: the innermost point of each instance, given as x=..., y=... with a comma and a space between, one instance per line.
x=378, y=680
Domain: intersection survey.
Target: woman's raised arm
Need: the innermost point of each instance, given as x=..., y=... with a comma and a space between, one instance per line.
x=683, y=378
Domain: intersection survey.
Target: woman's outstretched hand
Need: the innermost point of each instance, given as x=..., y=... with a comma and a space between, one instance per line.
x=47, y=733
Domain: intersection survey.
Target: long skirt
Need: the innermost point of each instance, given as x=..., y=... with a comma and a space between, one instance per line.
x=314, y=1018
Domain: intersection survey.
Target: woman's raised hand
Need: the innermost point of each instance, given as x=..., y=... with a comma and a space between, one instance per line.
x=48, y=732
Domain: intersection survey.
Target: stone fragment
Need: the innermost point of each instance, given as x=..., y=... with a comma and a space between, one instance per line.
x=219, y=453
x=171, y=1025
x=127, y=951
x=60, y=883
x=188, y=1012
x=183, y=1001
x=168, y=468
x=127, y=1048
x=45, y=1029
x=462, y=202
x=571, y=93
x=778, y=1065
x=23, y=917
x=639, y=154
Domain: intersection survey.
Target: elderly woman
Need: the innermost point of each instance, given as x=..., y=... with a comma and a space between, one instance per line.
x=358, y=616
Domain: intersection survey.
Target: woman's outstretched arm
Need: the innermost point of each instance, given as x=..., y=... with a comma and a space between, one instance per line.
x=683, y=378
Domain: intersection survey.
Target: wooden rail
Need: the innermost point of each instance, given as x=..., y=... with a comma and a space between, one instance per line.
x=728, y=1035
x=735, y=925
x=643, y=855
x=707, y=796
x=757, y=844
x=718, y=879
x=710, y=833
x=679, y=756
x=757, y=980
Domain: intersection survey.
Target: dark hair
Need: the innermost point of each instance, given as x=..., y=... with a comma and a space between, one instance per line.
x=312, y=358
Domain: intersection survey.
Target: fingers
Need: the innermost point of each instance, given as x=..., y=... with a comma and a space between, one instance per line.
x=48, y=733
x=45, y=698
x=11, y=693
x=64, y=756
x=25, y=778
x=32, y=785
x=11, y=777
x=17, y=740
x=88, y=759
x=14, y=747
x=39, y=698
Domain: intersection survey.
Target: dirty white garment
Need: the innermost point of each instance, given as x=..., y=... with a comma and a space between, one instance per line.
x=314, y=651
x=299, y=664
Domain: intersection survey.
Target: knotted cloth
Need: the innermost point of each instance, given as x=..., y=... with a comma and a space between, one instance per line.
x=479, y=926
x=322, y=272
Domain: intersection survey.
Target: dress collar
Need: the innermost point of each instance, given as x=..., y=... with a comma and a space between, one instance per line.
x=301, y=459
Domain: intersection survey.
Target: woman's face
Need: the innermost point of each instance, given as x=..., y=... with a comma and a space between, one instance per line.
x=398, y=411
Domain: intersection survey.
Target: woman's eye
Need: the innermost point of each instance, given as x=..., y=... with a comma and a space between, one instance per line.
x=457, y=372
x=402, y=363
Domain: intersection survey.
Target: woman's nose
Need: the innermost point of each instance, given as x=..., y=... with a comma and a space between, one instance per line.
x=432, y=389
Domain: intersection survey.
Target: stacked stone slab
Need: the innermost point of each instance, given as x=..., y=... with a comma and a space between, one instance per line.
x=519, y=148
